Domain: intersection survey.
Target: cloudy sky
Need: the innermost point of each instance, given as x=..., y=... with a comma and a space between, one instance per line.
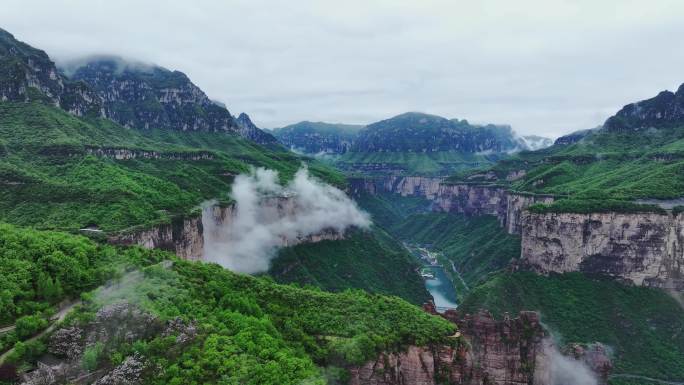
x=545, y=67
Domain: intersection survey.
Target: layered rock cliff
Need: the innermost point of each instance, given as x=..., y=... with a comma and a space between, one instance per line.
x=468, y=199
x=183, y=236
x=641, y=248
x=507, y=352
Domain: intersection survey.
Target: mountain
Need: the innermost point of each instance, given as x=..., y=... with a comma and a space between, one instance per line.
x=409, y=144
x=146, y=96
x=638, y=153
x=318, y=137
x=418, y=132
x=249, y=130
x=664, y=110
x=90, y=174
x=28, y=74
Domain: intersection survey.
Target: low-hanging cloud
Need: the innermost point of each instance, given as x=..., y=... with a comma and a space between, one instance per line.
x=565, y=370
x=268, y=215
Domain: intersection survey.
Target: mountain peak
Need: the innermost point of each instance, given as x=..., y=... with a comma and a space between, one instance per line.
x=664, y=110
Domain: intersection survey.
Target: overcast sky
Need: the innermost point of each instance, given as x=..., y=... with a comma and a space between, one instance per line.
x=545, y=67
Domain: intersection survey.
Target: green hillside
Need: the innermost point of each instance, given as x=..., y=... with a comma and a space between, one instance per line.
x=246, y=330
x=366, y=260
x=49, y=179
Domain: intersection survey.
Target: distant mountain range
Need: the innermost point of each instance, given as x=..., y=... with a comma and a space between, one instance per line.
x=408, y=132
x=410, y=143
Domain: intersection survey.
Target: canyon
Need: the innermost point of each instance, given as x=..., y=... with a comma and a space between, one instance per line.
x=645, y=249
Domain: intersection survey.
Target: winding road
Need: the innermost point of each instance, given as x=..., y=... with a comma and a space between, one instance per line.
x=55, y=319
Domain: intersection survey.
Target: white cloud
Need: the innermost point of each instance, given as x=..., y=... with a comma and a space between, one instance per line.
x=264, y=219
x=545, y=67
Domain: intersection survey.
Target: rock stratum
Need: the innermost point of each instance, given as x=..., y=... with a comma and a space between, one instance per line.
x=645, y=249
x=510, y=351
x=641, y=248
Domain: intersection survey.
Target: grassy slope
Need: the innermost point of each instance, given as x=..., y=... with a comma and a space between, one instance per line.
x=47, y=180
x=251, y=330
x=416, y=163
x=367, y=260
x=605, y=166
x=644, y=326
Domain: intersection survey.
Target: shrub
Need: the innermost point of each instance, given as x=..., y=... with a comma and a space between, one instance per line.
x=29, y=325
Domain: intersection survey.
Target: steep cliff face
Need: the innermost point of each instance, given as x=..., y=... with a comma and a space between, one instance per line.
x=511, y=351
x=642, y=248
x=468, y=199
x=28, y=74
x=183, y=236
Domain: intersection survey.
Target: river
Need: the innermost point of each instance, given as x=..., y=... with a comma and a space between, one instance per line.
x=439, y=285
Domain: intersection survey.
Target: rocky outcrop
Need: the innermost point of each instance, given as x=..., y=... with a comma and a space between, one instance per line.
x=467, y=199
x=183, y=236
x=511, y=351
x=641, y=248
x=188, y=236
x=506, y=352
x=247, y=129
x=125, y=153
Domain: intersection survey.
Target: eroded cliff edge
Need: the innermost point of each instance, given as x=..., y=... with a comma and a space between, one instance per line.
x=644, y=248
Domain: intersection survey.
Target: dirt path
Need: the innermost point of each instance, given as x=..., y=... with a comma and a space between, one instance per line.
x=55, y=319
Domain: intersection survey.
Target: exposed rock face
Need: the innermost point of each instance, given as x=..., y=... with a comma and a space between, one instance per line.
x=123, y=154
x=507, y=352
x=468, y=199
x=249, y=130
x=145, y=96
x=183, y=236
x=28, y=74
x=642, y=248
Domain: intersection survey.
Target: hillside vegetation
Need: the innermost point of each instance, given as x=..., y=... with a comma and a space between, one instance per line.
x=366, y=260
x=246, y=330
x=644, y=326
x=639, y=153
x=51, y=175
